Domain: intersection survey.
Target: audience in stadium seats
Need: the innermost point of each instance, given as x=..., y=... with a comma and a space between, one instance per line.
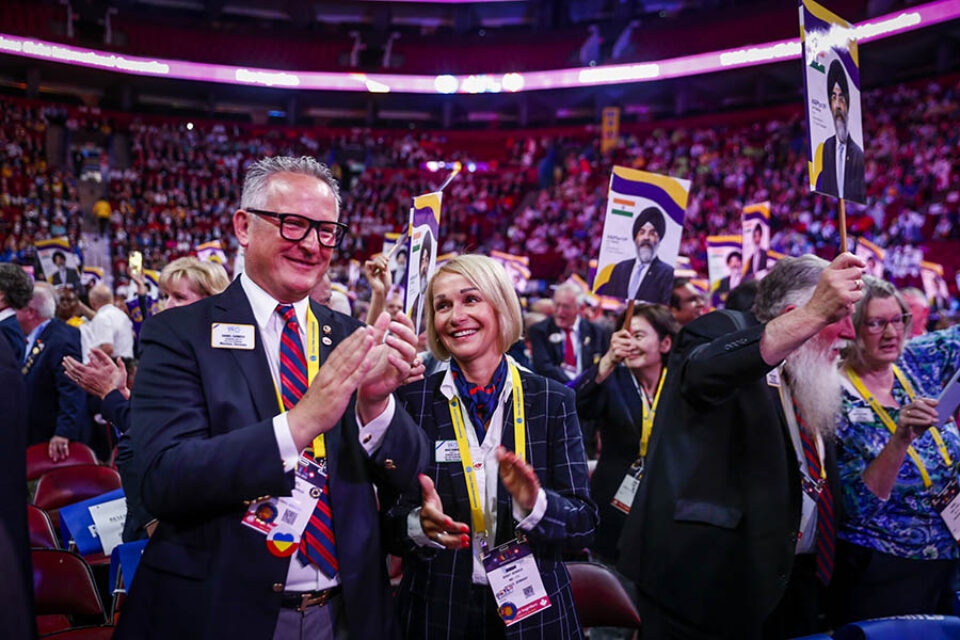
x=895, y=554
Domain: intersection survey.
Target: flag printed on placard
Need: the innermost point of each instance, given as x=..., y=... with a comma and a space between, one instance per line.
x=424, y=229
x=641, y=235
x=831, y=84
x=91, y=276
x=755, y=240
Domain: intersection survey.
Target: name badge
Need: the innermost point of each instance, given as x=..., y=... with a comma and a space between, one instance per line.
x=232, y=336
x=860, y=414
x=446, y=451
x=515, y=582
x=623, y=498
x=947, y=504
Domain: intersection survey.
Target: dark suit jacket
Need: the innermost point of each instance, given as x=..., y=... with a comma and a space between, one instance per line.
x=548, y=355
x=16, y=589
x=10, y=327
x=57, y=405
x=656, y=286
x=712, y=533
x=853, y=176
x=204, y=440
x=433, y=594
x=115, y=409
x=616, y=408
x=73, y=278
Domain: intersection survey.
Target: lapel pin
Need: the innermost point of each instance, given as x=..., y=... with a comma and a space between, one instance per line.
x=326, y=341
x=326, y=328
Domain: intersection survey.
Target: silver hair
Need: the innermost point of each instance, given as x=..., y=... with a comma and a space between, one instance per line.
x=569, y=287
x=259, y=173
x=873, y=289
x=790, y=282
x=44, y=300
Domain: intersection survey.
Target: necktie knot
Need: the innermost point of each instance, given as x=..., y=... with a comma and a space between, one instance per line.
x=286, y=312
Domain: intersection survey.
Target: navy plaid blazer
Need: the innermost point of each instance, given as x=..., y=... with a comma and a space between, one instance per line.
x=436, y=583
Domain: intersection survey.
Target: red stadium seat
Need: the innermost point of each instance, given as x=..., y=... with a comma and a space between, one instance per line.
x=60, y=487
x=599, y=597
x=39, y=462
x=63, y=586
x=42, y=533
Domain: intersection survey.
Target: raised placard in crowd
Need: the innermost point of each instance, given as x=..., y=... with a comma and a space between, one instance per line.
x=831, y=83
x=872, y=255
x=755, y=239
x=641, y=235
x=517, y=267
x=424, y=229
x=724, y=266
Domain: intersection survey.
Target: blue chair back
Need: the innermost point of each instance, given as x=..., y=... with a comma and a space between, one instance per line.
x=902, y=628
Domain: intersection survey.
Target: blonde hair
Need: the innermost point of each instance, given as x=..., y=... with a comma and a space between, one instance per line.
x=207, y=278
x=496, y=288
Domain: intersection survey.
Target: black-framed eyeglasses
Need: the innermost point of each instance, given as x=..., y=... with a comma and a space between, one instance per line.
x=294, y=227
x=879, y=325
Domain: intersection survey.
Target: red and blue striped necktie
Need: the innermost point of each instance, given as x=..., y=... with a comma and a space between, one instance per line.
x=826, y=534
x=317, y=544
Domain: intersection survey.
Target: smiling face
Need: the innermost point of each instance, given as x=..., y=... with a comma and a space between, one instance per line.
x=467, y=325
x=647, y=241
x=287, y=270
x=648, y=348
x=882, y=348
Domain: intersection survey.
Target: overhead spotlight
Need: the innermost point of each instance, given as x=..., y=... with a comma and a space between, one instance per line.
x=446, y=84
x=512, y=82
x=189, y=126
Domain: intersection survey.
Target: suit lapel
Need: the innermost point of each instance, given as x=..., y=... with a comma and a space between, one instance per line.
x=234, y=308
x=556, y=346
x=441, y=417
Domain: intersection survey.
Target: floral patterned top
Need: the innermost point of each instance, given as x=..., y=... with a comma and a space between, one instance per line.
x=906, y=525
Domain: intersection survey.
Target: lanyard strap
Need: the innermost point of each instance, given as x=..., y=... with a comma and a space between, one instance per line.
x=519, y=439
x=313, y=367
x=649, y=411
x=892, y=426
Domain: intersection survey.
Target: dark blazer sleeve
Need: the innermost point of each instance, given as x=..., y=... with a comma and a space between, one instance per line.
x=571, y=515
x=591, y=397
x=619, y=280
x=115, y=409
x=173, y=436
x=72, y=399
x=719, y=358
x=540, y=347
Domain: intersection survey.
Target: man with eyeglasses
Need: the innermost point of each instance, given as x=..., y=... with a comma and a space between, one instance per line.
x=265, y=425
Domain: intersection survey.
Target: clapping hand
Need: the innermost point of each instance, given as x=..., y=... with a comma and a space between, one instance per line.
x=436, y=524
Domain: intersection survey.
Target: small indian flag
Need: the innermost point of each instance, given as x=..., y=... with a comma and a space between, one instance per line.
x=623, y=207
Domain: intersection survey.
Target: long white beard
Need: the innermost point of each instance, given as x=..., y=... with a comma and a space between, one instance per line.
x=815, y=383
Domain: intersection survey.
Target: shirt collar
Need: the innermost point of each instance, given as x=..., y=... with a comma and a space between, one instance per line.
x=264, y=305
x=37, y=330
x=6, y=313
x=449, y=388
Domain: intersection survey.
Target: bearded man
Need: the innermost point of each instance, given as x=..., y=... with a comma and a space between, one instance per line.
x=843, y=170
x=733, y=519
x=645, y=277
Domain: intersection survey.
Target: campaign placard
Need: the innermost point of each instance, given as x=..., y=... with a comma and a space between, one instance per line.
x=517, y=267
x=831, y=84
x=398, y=259
x=873, y=255
x=755, y=240
x=422, y=251
x=641, y=235
x=58, y=260
x=724, y=266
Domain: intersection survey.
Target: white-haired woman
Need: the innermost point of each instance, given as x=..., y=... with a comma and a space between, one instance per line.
x=510, y=462
x=895, y=554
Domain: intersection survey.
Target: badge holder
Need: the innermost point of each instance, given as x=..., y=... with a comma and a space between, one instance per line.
x=947, y=504
x=283, y=519
x=515, y=581
x=623, y=498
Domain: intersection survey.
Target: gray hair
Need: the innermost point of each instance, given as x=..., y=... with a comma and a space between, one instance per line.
x=913, y=292
x=873, y=289
x=16, y=285
x=44, y=300
x=569, y=287
x=259, y=173
x=790, y=282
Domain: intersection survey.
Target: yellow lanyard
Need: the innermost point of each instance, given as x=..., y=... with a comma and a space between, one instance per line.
x=649, y=412
x=892, y=426
x=519, y=439
x=313, y=366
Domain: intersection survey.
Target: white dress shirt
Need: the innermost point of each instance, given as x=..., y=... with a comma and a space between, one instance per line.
x=636, y=278
x=807, y=543
x=300, y=576
x=841, y=165
x=487, y=473
x=111, y=326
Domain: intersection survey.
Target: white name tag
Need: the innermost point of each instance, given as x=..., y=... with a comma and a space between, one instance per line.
x=446, y=451
x=860, y=414
x=773, y=378
x=947, y=504
x=515, y=580
x=624, y=496
x=232, y=336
